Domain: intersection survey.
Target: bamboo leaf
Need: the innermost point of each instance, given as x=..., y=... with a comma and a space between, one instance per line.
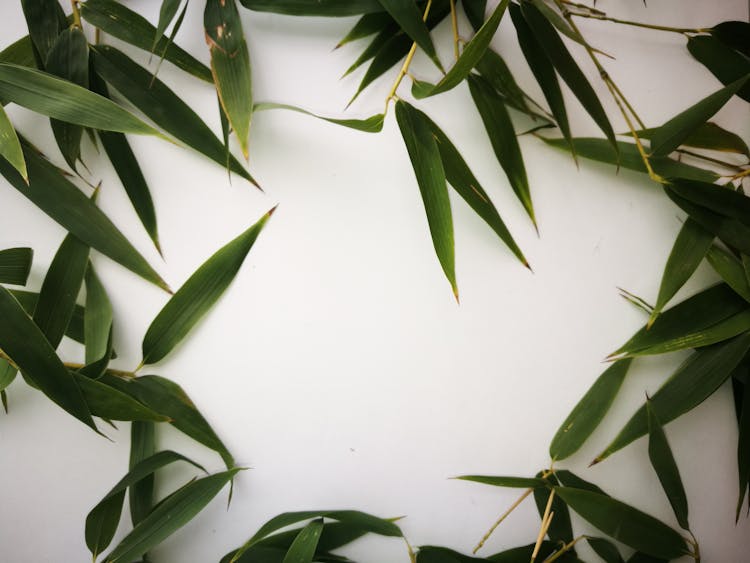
x=669, y=136
x=119, y=21
x=230, y=65
x=471, y=55
x=20, y=52
x=428, y=168
x=141, y=493
x=97, y=319
x=26, y=345
x=28, y=300
x=733, y=34
x=167, y=12
x=560, y=527
x=743, y=448
x=665, y=467
x=433, y=554
x=692, y=383
x=588, y=412
x=305, y=544
x=625, y=523
x=45, y=20
x=499, y=128
x=10, y=146
x=162, y=105
x=730, y=269
x=606, y=550
x=459, y=176
x=709, y=136
x=718, y=199
x=409, y=18
x=15, y=265
x=108, y=403
x=523, y=554
x=169, y=516
x=372, y=124
x=193, y=300
x=384, y=37
x=570, y=479
x=475, y=10
x=726, y=64
x=367, y=25
x=328, y=8
x=511, y=482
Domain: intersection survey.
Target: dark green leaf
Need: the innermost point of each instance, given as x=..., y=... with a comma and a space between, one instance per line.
x=743, y=448
x=718, y=199
x=120, y=22
x=432, y=554
x=475, y=10
x=10, y=146
x=730, y=269
x=428, y=168
x=108, y=403
x=167, y=12
x=735, y=34
x=230, y=65
x=671, y=135
x=569, y=479
x=25, y=344
x=385, y=36
x=665, y=466
x=503, y=138
x=28, y=300
x=169, y=516
x=15, y=265
x=589, y=412
x=328, y=8
x=161, y=105
x=304, y=545
x=726, y=64
x=407, y=16
x=638, y=557
x=692, y=383
x=193, y=300
x=20, y=52
x=45, y=20
x=97, y=320
x=367, y=25
x=605, y=549
x=372, y=124
x=523, y=554
x=142, y=446
x=512, y=482
x=625, y=523
x=708, y=136
x=560, y=528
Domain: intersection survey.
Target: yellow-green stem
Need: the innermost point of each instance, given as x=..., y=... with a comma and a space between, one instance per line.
x=567, y=547
x=76, y=13
x=72, y=366
x=602, y=17
x=454, y=24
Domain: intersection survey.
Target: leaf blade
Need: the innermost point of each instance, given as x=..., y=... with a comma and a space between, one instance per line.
x=15, y=265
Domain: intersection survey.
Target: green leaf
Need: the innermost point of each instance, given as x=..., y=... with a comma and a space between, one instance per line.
x=97, y=320
x=568, y=69
x=230, y=65
x=169, y=516
x=569, y=479
x=665, y=467
x=372, y=124
x=28, y=300
x=142, y=446
x=708, y=136
x=162, y=105
x=367, y=25
x=503, y=138
x=428, y=168
x=606, y=550
x=475, y=10
x=543, y=71
x=45, y=20
x=108, y=403
x=710, y=316
x=433, y=554
x=523, y=554
x=168, y=398
x=730, y=269
x=167, y=12
x=21, y=52
x=471, y=55
x=409, y=18
x=671, y=135
x=743, y=448
x=118, y=21
x=57, y=297
x=304, y=545
x=10, y=147
x=726, y=64
x=625, y=523
x=63, y=100
x=69, y=59
x=327, y=8
x=388, y=34
x=560, y=529
x=193, y=300
x=15, y=265
x=511, y=482
x=688, y=251
x=692, y=383
x=459, y=176
x=27, y=347
x=589, y=412
x=733, y=34
x=601, y=151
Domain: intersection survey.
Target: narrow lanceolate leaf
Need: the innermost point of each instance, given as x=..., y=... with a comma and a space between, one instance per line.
x=735, y=34
x=459, y=176
x=543, y=71
x=45, y=20
x=167, y=12
x=710, y=316
x=169, y=516
x=327, y=8
x=708, y=136
x=625, y=523
x=688, y=251
x=503, y=138
x=471, y=55
x=25, y=344
x=743, y=448
x=730, y=269
x=511, y=482
x=97, y=320
x=15, y=265
x=523, y=553
x=408, y=16
x=168, y=398
x=589, y=412
x=28, y=300
x=193, y=300
x=372, y=124
x=57, y=297
x=142, y=446
x=671, y=135
x=119, y=21
x=692, y=383
x=69, y=59
x=10, y=146
x=63, y=202
x=606, y=550
x=428, y=168
x=475, y=10
x=230, y=65
x=560, y=528
x=567, y=68
x=663, y=462
x=108, y=403
x=304, y=545
x=726, y=64
x=20, y=52
x=63, y=100
x=162, y=105
x=367, y=25
x=434, y=554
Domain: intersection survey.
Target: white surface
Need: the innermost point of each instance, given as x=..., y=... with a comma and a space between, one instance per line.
x=338, y=367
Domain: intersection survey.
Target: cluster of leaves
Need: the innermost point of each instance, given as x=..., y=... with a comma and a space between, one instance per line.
x=88, y=87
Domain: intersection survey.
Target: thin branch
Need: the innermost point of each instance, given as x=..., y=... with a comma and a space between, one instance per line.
x=602, y=17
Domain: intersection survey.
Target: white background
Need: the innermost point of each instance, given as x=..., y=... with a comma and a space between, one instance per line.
x=338, y=366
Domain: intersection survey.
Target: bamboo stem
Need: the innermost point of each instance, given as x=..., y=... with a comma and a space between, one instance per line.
x=454, y=24
x=601, y=17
